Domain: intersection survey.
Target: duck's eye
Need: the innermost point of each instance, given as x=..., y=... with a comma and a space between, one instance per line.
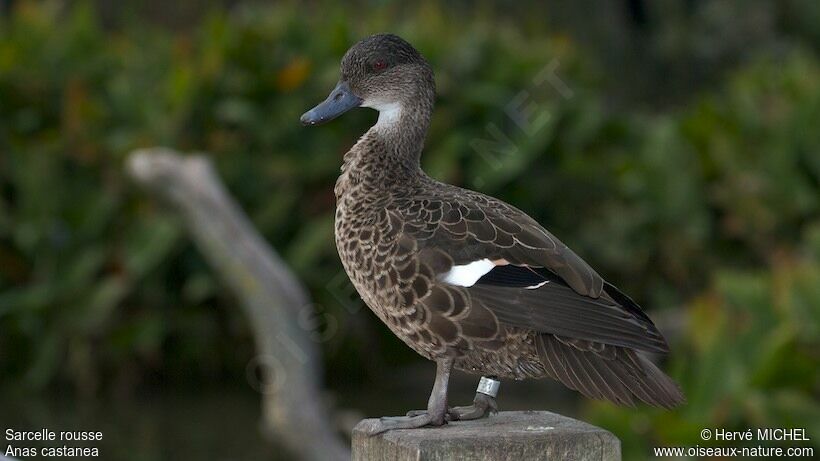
x=379, y=65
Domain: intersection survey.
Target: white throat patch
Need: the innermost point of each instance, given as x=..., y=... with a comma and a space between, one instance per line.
x=389, y=113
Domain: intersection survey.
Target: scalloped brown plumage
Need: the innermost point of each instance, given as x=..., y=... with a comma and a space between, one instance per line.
x=465, y=279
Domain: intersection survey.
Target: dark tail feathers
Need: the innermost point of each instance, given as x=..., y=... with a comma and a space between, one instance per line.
x=606, y=372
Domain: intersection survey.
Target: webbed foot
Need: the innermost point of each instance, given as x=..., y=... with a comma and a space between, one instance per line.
x=388, y=423
x=448, y=416
x=483, y=405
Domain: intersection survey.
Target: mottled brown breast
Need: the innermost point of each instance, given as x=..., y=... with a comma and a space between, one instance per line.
x=376, y=235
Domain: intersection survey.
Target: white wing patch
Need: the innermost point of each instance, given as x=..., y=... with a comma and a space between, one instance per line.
x=468, y=274
x=538, y=285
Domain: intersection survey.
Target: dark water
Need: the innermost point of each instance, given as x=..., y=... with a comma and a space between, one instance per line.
x=176, y=426
x=409, y=387
x=224, y=424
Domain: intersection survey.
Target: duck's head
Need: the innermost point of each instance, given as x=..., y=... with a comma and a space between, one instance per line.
x=383, y=72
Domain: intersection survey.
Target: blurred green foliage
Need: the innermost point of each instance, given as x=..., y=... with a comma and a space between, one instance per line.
x=708, y=211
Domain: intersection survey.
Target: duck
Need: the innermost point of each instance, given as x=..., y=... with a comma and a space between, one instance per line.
x=464, y=279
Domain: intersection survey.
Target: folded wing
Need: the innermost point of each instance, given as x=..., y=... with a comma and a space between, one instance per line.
x=522, y=273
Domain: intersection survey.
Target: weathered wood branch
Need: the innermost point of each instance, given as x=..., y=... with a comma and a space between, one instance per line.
x=272, y=298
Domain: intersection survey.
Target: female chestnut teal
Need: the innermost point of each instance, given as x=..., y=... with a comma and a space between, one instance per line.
x=464, y=279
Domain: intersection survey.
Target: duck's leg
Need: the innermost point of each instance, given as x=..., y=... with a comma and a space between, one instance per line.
x=483, y=403
x=436, y=406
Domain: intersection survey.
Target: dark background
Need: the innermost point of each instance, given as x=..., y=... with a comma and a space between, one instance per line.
x=675, y=149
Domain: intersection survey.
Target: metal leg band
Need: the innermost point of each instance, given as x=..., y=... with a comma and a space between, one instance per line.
x=488, y=386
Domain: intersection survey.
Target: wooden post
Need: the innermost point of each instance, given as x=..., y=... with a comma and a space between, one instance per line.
x=511, y=435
